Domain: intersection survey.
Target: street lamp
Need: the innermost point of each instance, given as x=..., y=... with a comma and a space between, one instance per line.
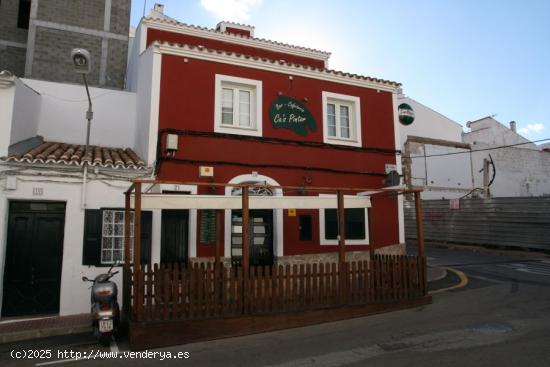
x=82, y=65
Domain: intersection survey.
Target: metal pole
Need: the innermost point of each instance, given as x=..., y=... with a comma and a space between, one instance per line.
x=89, y=113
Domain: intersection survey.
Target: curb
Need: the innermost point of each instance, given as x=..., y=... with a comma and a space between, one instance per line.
x=42, y=333
x=463, y=282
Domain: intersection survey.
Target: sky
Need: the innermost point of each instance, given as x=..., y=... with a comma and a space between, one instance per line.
x=465, y=59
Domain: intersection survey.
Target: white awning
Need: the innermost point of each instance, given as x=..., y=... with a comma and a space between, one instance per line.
x=177, y=201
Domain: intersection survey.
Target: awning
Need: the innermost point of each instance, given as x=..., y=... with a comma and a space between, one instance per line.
x=177, y=201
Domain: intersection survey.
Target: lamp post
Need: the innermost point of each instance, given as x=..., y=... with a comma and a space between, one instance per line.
x=82, y=65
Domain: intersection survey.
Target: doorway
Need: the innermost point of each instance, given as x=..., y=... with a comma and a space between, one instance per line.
x=260, y=237
x=34, y=256
x=174, y=242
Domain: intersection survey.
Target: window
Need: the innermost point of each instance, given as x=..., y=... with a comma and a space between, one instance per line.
x=356, y=226
x=112, y=239
x=24, y=14
x=341, y=119
x=238, y=106
x=104, y=236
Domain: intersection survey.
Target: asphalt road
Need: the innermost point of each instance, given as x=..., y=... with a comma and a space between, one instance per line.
x=501, y=318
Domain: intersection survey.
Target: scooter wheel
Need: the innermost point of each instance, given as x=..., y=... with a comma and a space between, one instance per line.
x=105, y=339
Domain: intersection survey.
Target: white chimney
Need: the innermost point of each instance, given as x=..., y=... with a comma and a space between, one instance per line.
x=513, y=126
x=159, y=8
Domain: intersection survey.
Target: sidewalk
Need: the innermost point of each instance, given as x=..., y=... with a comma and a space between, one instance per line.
x=13, y=330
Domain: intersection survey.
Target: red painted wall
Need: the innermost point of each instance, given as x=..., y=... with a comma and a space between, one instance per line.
x=187, y=103
x=159, y=35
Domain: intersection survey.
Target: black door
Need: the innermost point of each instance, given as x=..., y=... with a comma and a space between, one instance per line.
x=174, y=236
x=34, y=254
x=261, y=237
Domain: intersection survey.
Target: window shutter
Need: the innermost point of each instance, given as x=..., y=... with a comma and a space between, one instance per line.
x=91, y=254
x=146, y=236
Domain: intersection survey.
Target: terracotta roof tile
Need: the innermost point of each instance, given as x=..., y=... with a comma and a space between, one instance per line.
x=73, y=154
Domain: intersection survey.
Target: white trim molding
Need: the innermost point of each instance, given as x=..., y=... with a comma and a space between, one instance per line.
x=177, y=27
x=398, y=164
x=283, y=67
x=278, y=248
x=354, y=104
x=13, y=44
x=255, y=87
x=322, y=239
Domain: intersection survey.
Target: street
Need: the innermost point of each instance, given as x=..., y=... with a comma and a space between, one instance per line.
x=501, y=317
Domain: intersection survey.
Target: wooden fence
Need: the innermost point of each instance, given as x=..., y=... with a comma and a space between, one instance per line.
x=179, y=292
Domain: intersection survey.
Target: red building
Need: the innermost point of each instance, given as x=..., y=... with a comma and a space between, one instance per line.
x=227, y=107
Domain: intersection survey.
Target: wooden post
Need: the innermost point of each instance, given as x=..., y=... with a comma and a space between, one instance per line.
x=126, y=281
x=419, y=223
x=246, y=229
x=371, y=234
x=341, y=229
x=137, y=227
x=343, y=279
x=127, y=231
x=219, y=237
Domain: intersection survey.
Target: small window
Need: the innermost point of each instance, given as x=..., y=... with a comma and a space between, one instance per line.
x=238, y=106
x=24, y=14
x=341, y=119
x=112, y=239
x=305, y=227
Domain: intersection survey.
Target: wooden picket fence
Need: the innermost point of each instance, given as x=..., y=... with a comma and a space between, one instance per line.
x=181, y=292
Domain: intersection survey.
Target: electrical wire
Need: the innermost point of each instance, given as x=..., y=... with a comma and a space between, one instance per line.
x=474, y=151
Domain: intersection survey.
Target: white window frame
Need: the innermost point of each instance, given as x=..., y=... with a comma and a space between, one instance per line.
x=354, y=104
x=255, y=87
x=324, y=241
x=114, y=236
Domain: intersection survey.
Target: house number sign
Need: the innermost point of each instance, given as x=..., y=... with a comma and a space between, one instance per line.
x=288, y=113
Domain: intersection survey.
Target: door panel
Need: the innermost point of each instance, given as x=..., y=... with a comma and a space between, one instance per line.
x=261, y=237
x=32, y=274
x=174, y=236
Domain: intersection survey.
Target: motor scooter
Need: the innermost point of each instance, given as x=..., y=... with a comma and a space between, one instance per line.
x=105, y=311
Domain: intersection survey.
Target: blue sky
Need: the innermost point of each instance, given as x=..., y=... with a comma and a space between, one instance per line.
x=464, y=58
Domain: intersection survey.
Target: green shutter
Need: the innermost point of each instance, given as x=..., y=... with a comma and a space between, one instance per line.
x=91, y=252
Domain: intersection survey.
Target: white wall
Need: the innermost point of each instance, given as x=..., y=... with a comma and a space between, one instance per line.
x=7, y=96
x=519, y=172
x=26, y=113
x=429, y=123
x=147, y=99
x=75, y=295
x=134, y=50
x=490, y=131
x=63, y=112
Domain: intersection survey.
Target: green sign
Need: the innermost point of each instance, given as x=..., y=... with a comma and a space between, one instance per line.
x=406, y=114
x=208, y=226
x=288, y=113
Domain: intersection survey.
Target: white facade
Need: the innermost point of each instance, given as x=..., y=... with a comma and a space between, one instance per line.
x=447, y=168
x=428, y=123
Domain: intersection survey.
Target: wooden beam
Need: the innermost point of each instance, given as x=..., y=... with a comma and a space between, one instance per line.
x=419, y=224
x=245, y=229
x=309, y=188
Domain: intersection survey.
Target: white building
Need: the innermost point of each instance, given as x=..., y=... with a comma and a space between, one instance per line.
x=489, y=160
x=45, y=192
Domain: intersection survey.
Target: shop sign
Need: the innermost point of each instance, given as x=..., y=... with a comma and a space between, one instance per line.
x=288, y=113
x=406, y=114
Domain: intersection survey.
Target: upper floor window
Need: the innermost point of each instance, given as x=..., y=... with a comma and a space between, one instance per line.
x=341, y=119
x=238, y=106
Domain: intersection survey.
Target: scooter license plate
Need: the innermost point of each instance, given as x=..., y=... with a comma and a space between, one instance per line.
x=105, y=326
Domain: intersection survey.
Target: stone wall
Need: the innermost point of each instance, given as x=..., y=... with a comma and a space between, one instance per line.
x=327, y=257
x=9, y=10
